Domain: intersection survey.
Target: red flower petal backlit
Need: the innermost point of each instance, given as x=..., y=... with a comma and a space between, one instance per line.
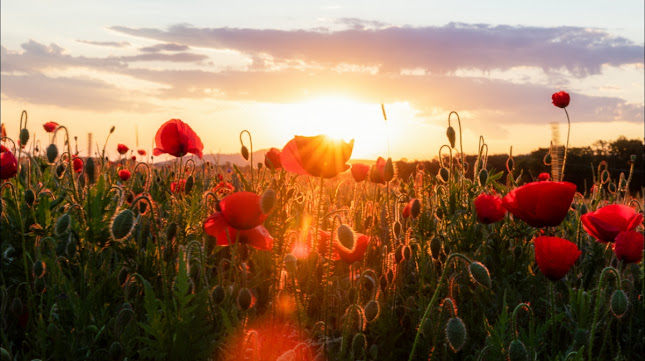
x=544, y=177
x=560, y=99
x=555, y=256
x=541, y=204
x=50, y=126
x=178, y=186
x=360, y=171
x=607, y=222
x=272, y=159
x=8, y=163
x=377, y=172
x=124, y=174
x=77, y=164
x=489, y=208
x=318, y=156
x=177, y=139
x=242, y=210
x=122, y=149
x=629, y=246
x=218, y=227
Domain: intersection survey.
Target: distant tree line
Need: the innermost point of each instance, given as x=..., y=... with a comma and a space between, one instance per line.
x=581, y=166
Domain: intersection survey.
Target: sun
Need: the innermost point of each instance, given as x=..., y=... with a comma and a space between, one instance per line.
x=340, y=117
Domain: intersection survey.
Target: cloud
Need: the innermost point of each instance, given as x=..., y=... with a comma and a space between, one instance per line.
x=440, y=50
x=112, y=44
x=164, y=47
x=175, y=58
x=37, y=57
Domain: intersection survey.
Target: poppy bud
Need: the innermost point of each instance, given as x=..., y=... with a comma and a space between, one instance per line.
x=218, y=293
x=623, y=182
x=346, y=236
x=456, y=333
x=611, y=187
x=116, y=349
x=435, y=247
x=388, y=173
x=444, y=174
x=267, y=200
x=245, y=153
x=39, y=268
x=30, y=197
x=62, y=224
x=16, y=306
x=90, y=170
x=60, y=170
x=450, y=133
x=244, y=299
x=112, y=129
x=52, y=153
x=416, y=208
x=122, y=224
x=604, y=176
x=126, y=314
x=407, y=252
x=188, y=184
x=483, y=177
x=39, y=285
x=547, y=159
x=397, y=228
x=583, y=209
x=4, y=354
x=24, y=136
x=632, y=158
x=359, y=345
x=382, y=282
x=390, y=276
x=517, y=351
x=479, y=274
x=290, y=263
x=619, y=303
x=510, y=164
x=426, y=329
x=372, y=310
x=171, y=231
x=398, y=254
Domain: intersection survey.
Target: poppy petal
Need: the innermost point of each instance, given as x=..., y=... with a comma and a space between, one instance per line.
x=242, y=210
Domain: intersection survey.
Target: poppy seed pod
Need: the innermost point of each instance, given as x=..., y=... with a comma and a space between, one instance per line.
x=479, y=274
x=171, y=231
x=267, y=200
x=122, y=224
x=517, y=351
x=116, y=350
x=456, y=333
x=24, y=136
x=52, y=153
x=346, y=236
x=450, y=133
x=188, y=186
x=547, y=159
x=62, y=224
x=245, y=152
x=619, y=303
x=435, y=247
x=244, y=299
x=416, y=208
x=359, y=345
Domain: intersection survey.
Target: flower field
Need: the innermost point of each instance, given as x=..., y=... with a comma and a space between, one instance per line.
x=300, y=256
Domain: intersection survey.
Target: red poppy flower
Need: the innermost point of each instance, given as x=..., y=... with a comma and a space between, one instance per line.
x=544, y=177
x=360, y=171
x=540, y=204
x=8, y=163
x=178, y=187
x=77, y=164
x=141, y=152
x=177, y=139
x=555, y=256
x=560, y=99
x=223, y=188
x=629, y=246
x=240, y=219
x=50, y=126
x=607, y=222
x=124, y=174
x=489, y=208
x=318, y=156
x=377, y=172
x=340, y=251
x=272, y=159
x=122, y=149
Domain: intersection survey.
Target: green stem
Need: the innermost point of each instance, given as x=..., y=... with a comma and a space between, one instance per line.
x=435, y=297
x=597, y=308
x=566, y=148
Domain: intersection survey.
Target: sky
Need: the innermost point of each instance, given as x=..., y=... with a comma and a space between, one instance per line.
x=285, y=68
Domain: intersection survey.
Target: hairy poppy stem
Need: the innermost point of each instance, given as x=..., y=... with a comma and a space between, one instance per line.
x=601, y=283
x=435, y=297
x=566, y=148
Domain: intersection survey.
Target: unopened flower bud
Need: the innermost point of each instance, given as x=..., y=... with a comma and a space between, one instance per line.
x=267, y=200
x=479, y=274
x=450, y=133
x=122, y=224
x=619, y=303
x=52, y=153
x=456, y=333
x=517, y=351
x=483, y=177
x=244, y=299
x=372, y=310
x=62, y=224
x=388, y=172
x=245, y=152
x=30, y=197
x=444, y=174
x=24, y=136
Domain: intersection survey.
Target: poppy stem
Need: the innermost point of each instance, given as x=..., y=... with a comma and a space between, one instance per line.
x=566, y=148
x=601, y=283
